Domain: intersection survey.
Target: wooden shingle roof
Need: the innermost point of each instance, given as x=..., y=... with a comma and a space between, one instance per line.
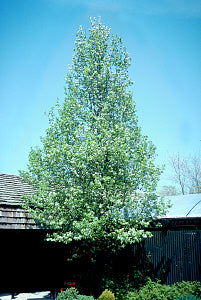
x=12, y=215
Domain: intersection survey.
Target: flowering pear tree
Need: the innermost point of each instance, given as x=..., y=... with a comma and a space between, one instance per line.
x=95, y=176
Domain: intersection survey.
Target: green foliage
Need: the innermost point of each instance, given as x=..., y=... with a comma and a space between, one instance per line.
x=72, y=294
x=127, y=271
x=189, y=297
x=157, y=291
x=122, y=283
x=106, y=295
x=120, y=289
x=188, y=288
x=95, y=176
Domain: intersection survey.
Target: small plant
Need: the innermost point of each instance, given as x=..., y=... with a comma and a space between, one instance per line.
x=73, y=294
x=106, y=295
x=70, y=294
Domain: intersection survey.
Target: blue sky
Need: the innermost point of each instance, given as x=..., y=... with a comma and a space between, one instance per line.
x=36, y=45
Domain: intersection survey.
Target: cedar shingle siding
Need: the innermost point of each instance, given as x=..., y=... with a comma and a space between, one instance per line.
x=12, y=216
x=16, y=218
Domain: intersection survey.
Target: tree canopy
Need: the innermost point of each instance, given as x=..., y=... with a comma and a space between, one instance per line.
x=95, y=175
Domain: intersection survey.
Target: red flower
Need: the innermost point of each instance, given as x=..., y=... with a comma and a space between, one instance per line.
x=72, y=284
x=61, y=290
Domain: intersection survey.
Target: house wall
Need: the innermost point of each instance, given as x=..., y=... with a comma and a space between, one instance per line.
x=14, y=217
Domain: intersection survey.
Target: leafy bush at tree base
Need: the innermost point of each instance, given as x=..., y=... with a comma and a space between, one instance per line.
x=157, y=291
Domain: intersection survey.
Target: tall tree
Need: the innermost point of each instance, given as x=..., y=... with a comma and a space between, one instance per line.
x=186, y=172
x=180, y=171
x=195, y=174
x=95, y=176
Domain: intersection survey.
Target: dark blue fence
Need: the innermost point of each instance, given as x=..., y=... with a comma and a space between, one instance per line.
x=175, y=255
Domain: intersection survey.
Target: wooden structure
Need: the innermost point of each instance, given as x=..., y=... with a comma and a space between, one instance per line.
x=12, y=216
x=175, y=248
x=27, y=261
x=175, y=251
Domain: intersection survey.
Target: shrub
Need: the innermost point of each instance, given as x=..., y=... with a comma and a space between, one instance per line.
x=106, y=295
x=73, y=294
x=189, y=288
x=157, y=291
x=152, y=290
x=70, y=294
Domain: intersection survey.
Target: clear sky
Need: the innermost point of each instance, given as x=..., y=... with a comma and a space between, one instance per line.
x=163, y=38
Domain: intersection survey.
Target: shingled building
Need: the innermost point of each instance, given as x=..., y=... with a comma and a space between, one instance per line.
x=12, y=216
x=27, y=261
